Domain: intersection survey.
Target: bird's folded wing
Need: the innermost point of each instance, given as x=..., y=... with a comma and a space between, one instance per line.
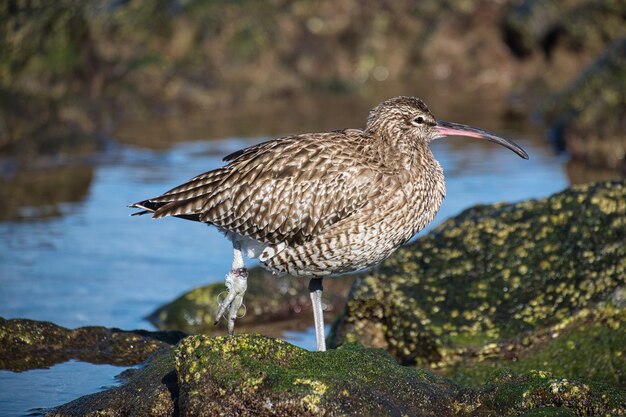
x=285, y=190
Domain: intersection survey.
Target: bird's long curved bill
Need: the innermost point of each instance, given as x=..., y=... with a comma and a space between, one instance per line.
x=457, y=129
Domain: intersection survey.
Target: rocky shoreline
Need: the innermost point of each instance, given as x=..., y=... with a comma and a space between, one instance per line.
x=252, y=375
x=535, y=329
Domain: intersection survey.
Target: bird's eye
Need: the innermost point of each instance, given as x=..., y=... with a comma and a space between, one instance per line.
x=419, y=120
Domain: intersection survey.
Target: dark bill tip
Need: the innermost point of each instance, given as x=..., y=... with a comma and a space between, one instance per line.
x=457, y=129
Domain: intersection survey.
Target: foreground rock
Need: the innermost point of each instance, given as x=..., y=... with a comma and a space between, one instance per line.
x=273, y=305
x=532, y=285
x=28, y=344
x=250, y=375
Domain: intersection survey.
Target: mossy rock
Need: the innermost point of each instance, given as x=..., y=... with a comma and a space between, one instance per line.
x=536, y=284
x=28, y=344
x=273, y=304
x=591, y=345
x=251, y=375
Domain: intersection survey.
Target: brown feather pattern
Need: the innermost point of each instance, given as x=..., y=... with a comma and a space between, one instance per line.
x=335, y=202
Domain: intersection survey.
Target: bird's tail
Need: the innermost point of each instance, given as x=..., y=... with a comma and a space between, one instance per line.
x=149, y=207
x=146, y=207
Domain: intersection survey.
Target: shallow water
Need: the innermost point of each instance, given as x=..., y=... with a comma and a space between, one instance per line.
x=31, y=392
x=84, y=261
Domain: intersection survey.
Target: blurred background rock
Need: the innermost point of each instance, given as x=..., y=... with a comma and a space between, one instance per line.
x=74, y=74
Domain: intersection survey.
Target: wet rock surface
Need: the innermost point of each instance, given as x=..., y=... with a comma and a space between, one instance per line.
x=29, y=344
x=251, y=375
x=532, y=285
x=273, y=304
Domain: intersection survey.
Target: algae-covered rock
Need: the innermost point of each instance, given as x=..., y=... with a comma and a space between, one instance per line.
x=588, y=345
x=534, y=284
x=272, y=304
x=588, y=118
x=27, y=344
x=251, y=375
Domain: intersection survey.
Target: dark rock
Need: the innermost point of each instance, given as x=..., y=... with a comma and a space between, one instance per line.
x=28, y=344
x=543, y=25
x=588, y=118
x=250, y=375
x=527, y=285
x=273, y=304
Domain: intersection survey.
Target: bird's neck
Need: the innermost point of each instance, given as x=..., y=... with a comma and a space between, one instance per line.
x=419, y=178
x=402, y=152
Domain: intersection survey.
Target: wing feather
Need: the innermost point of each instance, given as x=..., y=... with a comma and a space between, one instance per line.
x=287, y=189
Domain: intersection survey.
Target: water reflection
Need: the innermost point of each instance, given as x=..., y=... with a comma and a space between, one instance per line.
x=580, y=173
x=28, y=194
x=33, y=391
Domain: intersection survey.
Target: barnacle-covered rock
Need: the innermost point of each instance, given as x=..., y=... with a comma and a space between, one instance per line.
x=251, y=375
x=530, y=285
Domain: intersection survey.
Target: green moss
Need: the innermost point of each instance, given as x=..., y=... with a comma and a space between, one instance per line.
x=592, y=347
x=548, y=412
x=285, y=364
x=249, y=371
x=479, y=290
x=538, y=390
x=260, y=376
x=250, y=365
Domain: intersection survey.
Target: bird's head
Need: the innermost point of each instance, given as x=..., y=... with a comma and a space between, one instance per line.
x=409, y=116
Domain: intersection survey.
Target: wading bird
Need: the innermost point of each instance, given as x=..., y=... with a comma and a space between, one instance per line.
x=318, y=204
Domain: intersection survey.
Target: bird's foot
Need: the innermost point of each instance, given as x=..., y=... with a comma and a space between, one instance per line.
x=236, y=283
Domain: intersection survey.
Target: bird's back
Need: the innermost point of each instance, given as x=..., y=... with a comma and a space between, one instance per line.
x=284, y=190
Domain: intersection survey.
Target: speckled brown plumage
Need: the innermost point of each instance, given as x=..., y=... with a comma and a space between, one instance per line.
x=338, y=201
x=324, y=203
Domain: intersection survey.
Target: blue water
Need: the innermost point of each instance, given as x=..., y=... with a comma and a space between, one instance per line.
x=95, y=265
x=33, y=391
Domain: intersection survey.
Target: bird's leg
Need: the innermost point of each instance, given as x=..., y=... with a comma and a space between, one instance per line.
x=236, y=283
x=315, y=289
